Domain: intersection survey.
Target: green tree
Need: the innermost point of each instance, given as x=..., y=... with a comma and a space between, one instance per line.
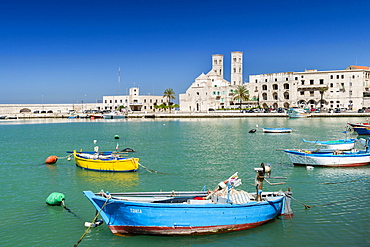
x=241, y=94
x=156, y=107
x=169, y=94
x=163, y=106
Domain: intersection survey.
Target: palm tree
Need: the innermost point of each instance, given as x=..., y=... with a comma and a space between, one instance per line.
x=170, y=94
x=241, y=94
x=322, y=91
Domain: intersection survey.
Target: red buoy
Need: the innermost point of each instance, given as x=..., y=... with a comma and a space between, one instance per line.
x=51, y=159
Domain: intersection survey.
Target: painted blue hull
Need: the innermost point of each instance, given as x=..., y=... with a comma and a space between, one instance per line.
x=362, y=130
x=132, y=217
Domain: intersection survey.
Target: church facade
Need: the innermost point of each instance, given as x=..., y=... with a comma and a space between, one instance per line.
x=211, y=91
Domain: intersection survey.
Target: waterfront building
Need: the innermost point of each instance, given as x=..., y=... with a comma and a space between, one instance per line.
x=133, y=102
x=211, y=91
x=344, y=89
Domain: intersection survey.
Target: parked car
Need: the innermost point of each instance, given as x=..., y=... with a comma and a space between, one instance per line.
x=361, y=110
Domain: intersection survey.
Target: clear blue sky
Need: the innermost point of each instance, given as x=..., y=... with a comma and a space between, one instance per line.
x=69, y=51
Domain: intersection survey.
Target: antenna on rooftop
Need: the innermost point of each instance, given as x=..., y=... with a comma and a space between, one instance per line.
x=119, y=80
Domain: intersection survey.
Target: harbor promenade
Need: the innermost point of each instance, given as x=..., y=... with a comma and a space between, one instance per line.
x=177, y=114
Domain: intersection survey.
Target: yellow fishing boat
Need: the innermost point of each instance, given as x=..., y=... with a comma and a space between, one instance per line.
x=105, y=161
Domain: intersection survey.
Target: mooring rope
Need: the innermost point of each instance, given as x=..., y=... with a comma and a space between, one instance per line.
x=94, y=220
x=68, y=210
x=65, y=157
x=150, y=170
x=330, y=203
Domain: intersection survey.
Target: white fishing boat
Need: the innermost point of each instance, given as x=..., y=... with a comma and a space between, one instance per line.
x=114, y=115
x=277, y=130
x=330, y=158
x=296, y=112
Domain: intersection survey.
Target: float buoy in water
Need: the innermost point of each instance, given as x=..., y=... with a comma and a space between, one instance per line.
x=51, y=159
x=55, y=199
x=116, y=137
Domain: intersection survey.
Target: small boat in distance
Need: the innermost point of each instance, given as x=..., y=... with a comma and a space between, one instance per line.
x=105, y=161
x=114, y=115
x=296, y=112
x=339, y=144
x=190, y=212
x=276, y=130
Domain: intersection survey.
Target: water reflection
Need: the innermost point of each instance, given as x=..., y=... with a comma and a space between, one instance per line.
x=122, y=181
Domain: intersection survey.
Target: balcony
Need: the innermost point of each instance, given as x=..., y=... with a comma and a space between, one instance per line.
x=310, y=87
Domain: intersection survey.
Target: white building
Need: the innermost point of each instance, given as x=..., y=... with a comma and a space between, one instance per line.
x=348, y=88
x=211, y=90
x=133, y=102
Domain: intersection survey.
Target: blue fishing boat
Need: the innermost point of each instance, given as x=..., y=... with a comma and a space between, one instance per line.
x=361, y=128
x=191, y=212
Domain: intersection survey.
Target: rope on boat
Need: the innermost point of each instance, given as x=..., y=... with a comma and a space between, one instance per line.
x=150, y=170
x=94, y=220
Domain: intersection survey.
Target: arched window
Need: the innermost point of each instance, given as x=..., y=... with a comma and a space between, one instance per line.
x=275, y=96
x=286, y=95
x=25, y=110
x=264, y=96
x=264, y=87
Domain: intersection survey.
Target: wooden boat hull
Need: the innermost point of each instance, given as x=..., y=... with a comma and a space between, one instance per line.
x=107, y=165
x=344, y=159
x=190, y=217
x=277, y=130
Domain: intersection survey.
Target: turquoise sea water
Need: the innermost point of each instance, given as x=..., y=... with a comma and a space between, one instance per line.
x=192, y=153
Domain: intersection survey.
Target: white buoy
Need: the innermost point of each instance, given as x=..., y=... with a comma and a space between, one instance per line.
x=97, y=223
x=309, y=167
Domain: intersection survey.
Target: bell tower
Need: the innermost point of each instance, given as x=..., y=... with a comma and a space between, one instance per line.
x=218, y=64
x=236, y=68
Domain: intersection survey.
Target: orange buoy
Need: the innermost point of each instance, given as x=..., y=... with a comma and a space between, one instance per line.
x=51, y=159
